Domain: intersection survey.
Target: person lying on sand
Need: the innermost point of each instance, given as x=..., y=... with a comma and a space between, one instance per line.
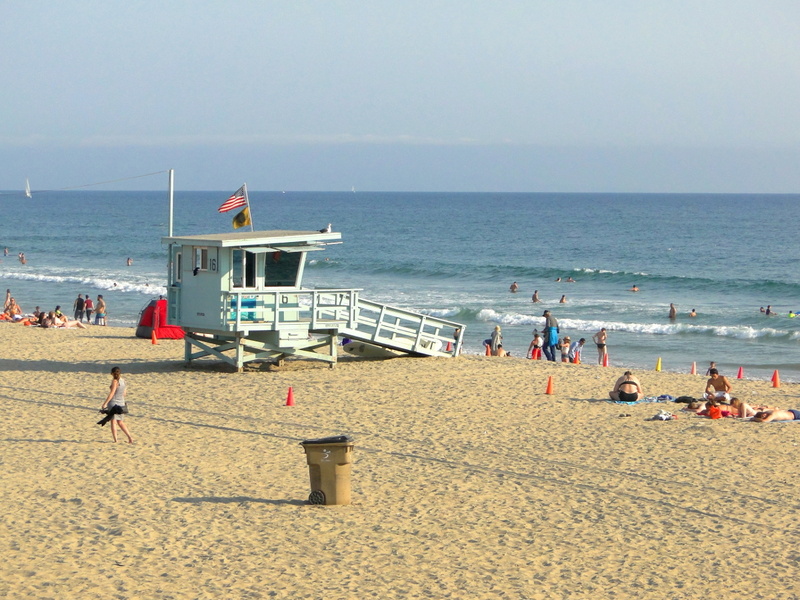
x=765, y=416
x=736, y=408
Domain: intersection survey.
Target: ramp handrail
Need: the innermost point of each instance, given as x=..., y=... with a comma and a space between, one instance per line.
x=343, y=311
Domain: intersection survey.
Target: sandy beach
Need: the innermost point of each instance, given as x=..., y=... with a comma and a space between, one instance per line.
x=468, y=481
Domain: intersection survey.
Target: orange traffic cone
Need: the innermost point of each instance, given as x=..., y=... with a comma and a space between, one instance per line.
x=488, y=350
x=290, y=398
x=740, y=374
x=694, y=369
x=549, y=389
x=776, y=379
x=449, y=347
x=576, y=360
x=605, y=359
x=153, y=337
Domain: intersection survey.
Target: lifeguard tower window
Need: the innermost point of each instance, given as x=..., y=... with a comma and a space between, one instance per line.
x=280, y=269
x=201, y=259
x=205, y=260
x=178, y=265
x=244, y=269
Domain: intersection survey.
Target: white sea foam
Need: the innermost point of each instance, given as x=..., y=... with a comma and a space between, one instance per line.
x=91, y=282
x=741, y=332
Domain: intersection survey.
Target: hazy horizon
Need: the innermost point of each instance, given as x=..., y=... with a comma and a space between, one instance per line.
x=518, y=96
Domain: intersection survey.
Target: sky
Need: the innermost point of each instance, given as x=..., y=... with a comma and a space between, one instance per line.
x=469, y=95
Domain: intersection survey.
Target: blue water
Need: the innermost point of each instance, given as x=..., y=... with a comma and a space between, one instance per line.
x=455, y=255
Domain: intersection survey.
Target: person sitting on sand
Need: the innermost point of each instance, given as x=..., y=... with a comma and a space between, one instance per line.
x=718, y=387
x=13, y=308
x=627, y=389
x=501, y=351
x=765, y=416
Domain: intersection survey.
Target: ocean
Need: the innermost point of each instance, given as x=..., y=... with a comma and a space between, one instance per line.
x=454, y=255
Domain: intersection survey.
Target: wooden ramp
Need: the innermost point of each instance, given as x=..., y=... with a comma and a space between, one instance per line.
x=403, y=331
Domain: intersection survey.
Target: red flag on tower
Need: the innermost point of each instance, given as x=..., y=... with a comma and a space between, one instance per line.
x=236, y=200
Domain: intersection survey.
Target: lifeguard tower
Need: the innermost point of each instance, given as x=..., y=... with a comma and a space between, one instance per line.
x=239, y=297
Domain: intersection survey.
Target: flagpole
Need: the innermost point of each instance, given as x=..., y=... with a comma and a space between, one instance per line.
x=249, y=210
x=171, y=193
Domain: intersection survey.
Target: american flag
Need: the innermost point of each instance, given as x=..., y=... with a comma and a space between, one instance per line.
x=236, y=200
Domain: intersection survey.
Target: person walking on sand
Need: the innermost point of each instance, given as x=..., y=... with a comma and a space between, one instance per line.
x=550, y=335
x=115, y=404
x=600, y=341
x=100, y=311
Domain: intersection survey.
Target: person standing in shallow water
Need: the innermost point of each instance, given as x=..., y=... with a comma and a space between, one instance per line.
x=673, y=312
x=116, y=398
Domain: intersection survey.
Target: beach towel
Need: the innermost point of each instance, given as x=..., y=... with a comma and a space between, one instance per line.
x=646, y=400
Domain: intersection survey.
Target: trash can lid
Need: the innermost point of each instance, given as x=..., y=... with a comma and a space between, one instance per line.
x=336, y=439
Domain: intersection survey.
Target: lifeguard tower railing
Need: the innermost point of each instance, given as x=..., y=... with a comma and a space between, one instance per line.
x=338, y=312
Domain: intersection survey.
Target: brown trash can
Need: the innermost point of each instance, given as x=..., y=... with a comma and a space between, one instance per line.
x=329, y=461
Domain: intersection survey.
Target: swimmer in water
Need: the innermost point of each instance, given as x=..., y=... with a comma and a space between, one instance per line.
x=634, y=288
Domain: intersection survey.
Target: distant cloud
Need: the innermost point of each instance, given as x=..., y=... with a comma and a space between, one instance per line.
x=161, y=141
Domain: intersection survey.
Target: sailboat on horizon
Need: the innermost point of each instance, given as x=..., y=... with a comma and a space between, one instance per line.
x=28, y=188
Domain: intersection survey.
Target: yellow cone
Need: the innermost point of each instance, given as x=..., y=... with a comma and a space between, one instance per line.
x=658, y=364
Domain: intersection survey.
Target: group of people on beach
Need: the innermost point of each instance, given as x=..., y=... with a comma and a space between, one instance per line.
x=716, y=402
x=82, y=307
